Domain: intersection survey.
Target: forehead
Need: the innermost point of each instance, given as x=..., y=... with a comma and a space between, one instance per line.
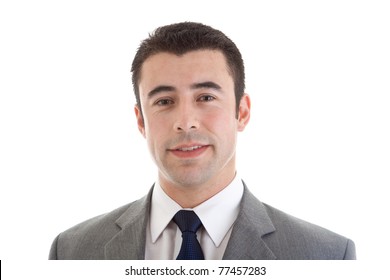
x=190, y=67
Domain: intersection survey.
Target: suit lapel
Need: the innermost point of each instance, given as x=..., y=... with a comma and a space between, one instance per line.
x=252, y=224
x=129, y=242
x=245, y=241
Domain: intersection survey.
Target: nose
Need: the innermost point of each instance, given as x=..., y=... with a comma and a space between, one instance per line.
x=186, y=119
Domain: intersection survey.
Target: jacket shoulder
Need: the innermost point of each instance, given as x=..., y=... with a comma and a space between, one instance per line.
x=294, y=238
x=86, y=240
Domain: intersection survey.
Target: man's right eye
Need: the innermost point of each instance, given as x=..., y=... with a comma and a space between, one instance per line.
x=164, y=102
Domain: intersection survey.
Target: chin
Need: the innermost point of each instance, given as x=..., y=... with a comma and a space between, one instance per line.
x=190, y=179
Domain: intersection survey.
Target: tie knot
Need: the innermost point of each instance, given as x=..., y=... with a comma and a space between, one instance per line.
x=187, y=221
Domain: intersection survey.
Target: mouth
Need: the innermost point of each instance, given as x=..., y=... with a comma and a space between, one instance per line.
x=186, y=149
x=189, y=151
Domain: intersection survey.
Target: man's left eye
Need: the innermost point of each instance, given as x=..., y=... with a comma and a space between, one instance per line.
x=206, y=98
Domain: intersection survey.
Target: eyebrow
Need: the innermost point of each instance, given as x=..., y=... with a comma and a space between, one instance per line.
x=160, y=89
x=208, y=84
x=165, y=88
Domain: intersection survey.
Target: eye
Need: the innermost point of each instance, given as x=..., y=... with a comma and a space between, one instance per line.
x=163, y=102
x=206, y=98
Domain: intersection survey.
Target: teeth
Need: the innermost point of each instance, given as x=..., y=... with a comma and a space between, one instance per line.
x=189, y=148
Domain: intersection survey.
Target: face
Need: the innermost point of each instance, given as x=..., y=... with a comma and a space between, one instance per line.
x=189, y=118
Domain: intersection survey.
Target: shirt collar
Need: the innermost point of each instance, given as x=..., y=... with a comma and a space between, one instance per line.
x=163, y=208
x=217, y=226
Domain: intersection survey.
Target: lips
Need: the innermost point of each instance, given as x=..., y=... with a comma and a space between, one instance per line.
x=186, y=149
x=189, y=150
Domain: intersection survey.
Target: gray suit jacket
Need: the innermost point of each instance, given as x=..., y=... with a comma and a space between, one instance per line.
x=260, y=232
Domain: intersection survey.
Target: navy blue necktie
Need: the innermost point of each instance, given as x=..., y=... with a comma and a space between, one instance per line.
x=188, y=222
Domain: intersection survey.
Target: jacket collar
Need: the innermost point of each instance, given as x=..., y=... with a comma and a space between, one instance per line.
x=252, y=224
x=245, y=241
x=129, y=242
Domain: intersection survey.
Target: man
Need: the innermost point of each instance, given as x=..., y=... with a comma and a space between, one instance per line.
x=189, y=85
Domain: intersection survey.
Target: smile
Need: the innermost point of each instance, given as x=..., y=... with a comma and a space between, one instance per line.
x=185, y=149
x=189, y=151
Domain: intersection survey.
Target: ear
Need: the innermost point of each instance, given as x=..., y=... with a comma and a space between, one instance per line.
x=140, y=120
x=244, y=112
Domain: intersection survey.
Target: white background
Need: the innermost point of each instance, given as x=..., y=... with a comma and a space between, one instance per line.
x=317, y=145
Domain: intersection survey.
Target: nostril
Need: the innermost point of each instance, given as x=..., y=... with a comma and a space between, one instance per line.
x=185, y=127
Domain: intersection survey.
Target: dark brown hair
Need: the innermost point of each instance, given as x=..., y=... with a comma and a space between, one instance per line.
x=180, y=38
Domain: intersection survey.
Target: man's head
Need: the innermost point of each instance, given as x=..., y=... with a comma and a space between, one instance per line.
x=188, y=109
x=184, y=37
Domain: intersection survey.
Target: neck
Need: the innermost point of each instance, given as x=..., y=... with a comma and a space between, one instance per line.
x=192, y=196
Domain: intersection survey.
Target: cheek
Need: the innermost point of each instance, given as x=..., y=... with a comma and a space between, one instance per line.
x=152, y=125
x=155, y=134
x=221, y=122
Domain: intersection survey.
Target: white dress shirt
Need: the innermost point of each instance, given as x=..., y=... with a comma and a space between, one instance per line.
x=218, y=213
